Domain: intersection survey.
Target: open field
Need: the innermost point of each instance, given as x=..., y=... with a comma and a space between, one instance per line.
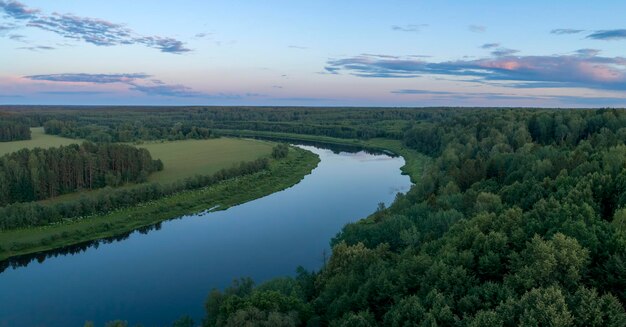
x=187, y=158
x=181, y=159
x=39, y=139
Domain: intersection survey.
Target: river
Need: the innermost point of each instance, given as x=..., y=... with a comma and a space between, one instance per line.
x=154, y=277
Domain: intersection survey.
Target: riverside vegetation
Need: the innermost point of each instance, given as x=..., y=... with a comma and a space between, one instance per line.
x=517, y=218
x=124, y=196
x=118, y=211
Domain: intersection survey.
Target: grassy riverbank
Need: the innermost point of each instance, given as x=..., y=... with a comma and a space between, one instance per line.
x=415, y=162
x=282, y=174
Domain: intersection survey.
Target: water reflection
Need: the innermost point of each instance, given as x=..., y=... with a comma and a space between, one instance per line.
x=359, y=153
x=154, y=275
x=335, y=148
x=24, y=260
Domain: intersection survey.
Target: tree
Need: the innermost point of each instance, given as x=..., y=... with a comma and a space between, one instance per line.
x=544, y=307
x=280, y=151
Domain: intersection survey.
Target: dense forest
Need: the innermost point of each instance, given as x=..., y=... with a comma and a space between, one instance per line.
x=520, y=220
x=125, y=124
x=11, y=130
x=126, y=132
x=28, y=175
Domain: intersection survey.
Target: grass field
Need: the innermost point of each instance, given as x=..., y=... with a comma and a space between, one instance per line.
x=181, y=159
x=187, y=158
x=39, y=139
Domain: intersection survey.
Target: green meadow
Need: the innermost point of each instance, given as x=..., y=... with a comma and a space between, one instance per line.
x=39, y=139
x=181, y=159
x=187, y=158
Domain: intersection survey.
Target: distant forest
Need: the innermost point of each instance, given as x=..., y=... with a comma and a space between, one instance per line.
x=519, y=219
x=13, y=130
x=122, y=124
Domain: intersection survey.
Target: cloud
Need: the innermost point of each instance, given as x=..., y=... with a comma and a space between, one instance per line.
x=202, y=35
x=477, y=28
x=614, y=34
x=37, y=48
x=380, y=55
x=138, y=82
x=515, y=71
x=299, y=47
x=176, y=90
x=588, y=52
x=452, y=97
x=408, y=28
x=463, y=95
x=17, y=10
x=426, y=92
x=490, y=45
x=76, y=92
x=17, y=37
x=608, y=35
x=503, y=52
x=7, y=27
x=332, y=70
x=165, y=44
x=94, y=31
x=562, y=31
x=366, y=66
x=91, y=30
x=89, y=78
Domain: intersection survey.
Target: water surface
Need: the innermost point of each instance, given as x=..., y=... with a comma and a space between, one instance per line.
x=155, y=277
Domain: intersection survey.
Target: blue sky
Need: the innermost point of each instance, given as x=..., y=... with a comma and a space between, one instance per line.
x=328, y=53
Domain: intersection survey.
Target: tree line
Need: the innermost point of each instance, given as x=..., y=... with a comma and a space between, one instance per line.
x=126, y=131
x=20, y=215
x=28, y=175
x=11, y=130
x=128, y=124
x=520, y=219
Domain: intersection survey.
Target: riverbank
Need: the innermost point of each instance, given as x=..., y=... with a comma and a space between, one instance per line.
x=415, y=162
x=281, y=175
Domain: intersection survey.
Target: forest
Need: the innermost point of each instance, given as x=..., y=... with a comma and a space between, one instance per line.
x=28, y=175
x=11, y=130
x=126, y=124
x=519, y=218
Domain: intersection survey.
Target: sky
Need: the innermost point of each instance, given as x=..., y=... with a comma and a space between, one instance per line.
x=314, y=53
